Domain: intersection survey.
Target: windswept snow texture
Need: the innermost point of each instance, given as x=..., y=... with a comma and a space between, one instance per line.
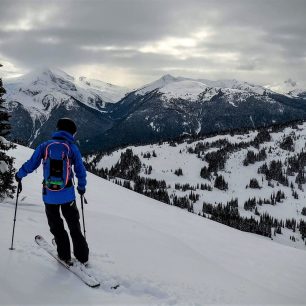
x=161, y=255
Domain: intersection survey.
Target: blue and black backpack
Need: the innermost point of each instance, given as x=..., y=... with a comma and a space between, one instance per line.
x=57, y=166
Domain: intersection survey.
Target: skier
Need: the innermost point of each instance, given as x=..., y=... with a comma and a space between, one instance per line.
x=58, y=155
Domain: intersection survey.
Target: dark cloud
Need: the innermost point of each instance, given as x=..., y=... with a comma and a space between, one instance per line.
x=260, y=41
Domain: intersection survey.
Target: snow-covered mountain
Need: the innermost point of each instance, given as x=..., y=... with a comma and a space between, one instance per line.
x=109, y=93
x=170, y=83
x=189, y=169
x=169, y=107
x=36, y=101
x=190, y=89
x=33, y=88
x=174, y=106
x=298, y=93
x=161, y=255
x=289, y=87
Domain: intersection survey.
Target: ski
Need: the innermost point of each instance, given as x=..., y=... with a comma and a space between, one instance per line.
x=114, y=287
x=76, y=268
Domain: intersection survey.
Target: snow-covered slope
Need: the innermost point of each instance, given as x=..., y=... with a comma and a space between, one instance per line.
x=32, y=89
x=235, y=84
x=298, y=93
x=173, y=106
x=289, y=87
x=161, y=255
x=37, y=100
x=164, y=109
x=189, y=89
x=108, y=92
x=171, y=156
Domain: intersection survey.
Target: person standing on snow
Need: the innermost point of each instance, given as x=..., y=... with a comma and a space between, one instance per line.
x=58, y=155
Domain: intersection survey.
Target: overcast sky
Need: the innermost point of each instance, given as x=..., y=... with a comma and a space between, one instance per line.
x=132, y=42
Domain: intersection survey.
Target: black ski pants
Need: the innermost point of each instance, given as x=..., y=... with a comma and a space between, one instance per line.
x=56, y=224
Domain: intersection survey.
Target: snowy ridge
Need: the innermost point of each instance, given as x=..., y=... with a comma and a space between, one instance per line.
x=187, y=90
x=164, y=109
x=289, y=87
x=190, y=89
x=298, y=93
x=108, y=92
x=160, y=83
x=42, y=95
x=33, y=89
x=161, y=255
x=238, y=85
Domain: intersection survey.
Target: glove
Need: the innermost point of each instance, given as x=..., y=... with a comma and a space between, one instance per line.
x=81, y=191
x=18, y=179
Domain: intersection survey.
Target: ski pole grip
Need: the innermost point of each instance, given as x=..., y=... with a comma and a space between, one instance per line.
x=19, y=188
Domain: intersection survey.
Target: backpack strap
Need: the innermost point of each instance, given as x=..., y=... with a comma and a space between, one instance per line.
x=52, y=143
x=68, y=169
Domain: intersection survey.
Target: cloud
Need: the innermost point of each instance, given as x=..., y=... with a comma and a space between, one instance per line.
x=290, y=82
x=260, y=41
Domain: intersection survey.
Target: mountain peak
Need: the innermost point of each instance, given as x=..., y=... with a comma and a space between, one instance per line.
x=168, y=77
x=52, y=71
x=41, y=74
x=159, y=83
x=191, y=84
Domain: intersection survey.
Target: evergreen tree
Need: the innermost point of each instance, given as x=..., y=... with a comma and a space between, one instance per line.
x=254, y=183
x=287, y=144
x=205, y=173
x=178, y=172
x=6, y=163
x=220, y=183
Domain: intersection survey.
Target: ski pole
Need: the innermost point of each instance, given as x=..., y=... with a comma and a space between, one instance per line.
x=19, y=189
x=82, y=206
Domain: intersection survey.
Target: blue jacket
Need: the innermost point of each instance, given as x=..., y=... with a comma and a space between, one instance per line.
x=67, y=194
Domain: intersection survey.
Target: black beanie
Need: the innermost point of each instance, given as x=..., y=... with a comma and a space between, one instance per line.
x=66, y=124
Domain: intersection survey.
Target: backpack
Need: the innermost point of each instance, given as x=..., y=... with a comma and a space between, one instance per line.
x=57, y=166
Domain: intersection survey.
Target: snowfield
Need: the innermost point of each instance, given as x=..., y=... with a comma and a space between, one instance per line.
x=160, y=254
x=170, y=158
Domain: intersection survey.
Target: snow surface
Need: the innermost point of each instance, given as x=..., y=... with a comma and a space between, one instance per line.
x=237, y=175
x=288, y=87
x=235, y=84
x=190, y=89
x=160, y=83
x=109, y=92
x=161, y=255
x=34, y=89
